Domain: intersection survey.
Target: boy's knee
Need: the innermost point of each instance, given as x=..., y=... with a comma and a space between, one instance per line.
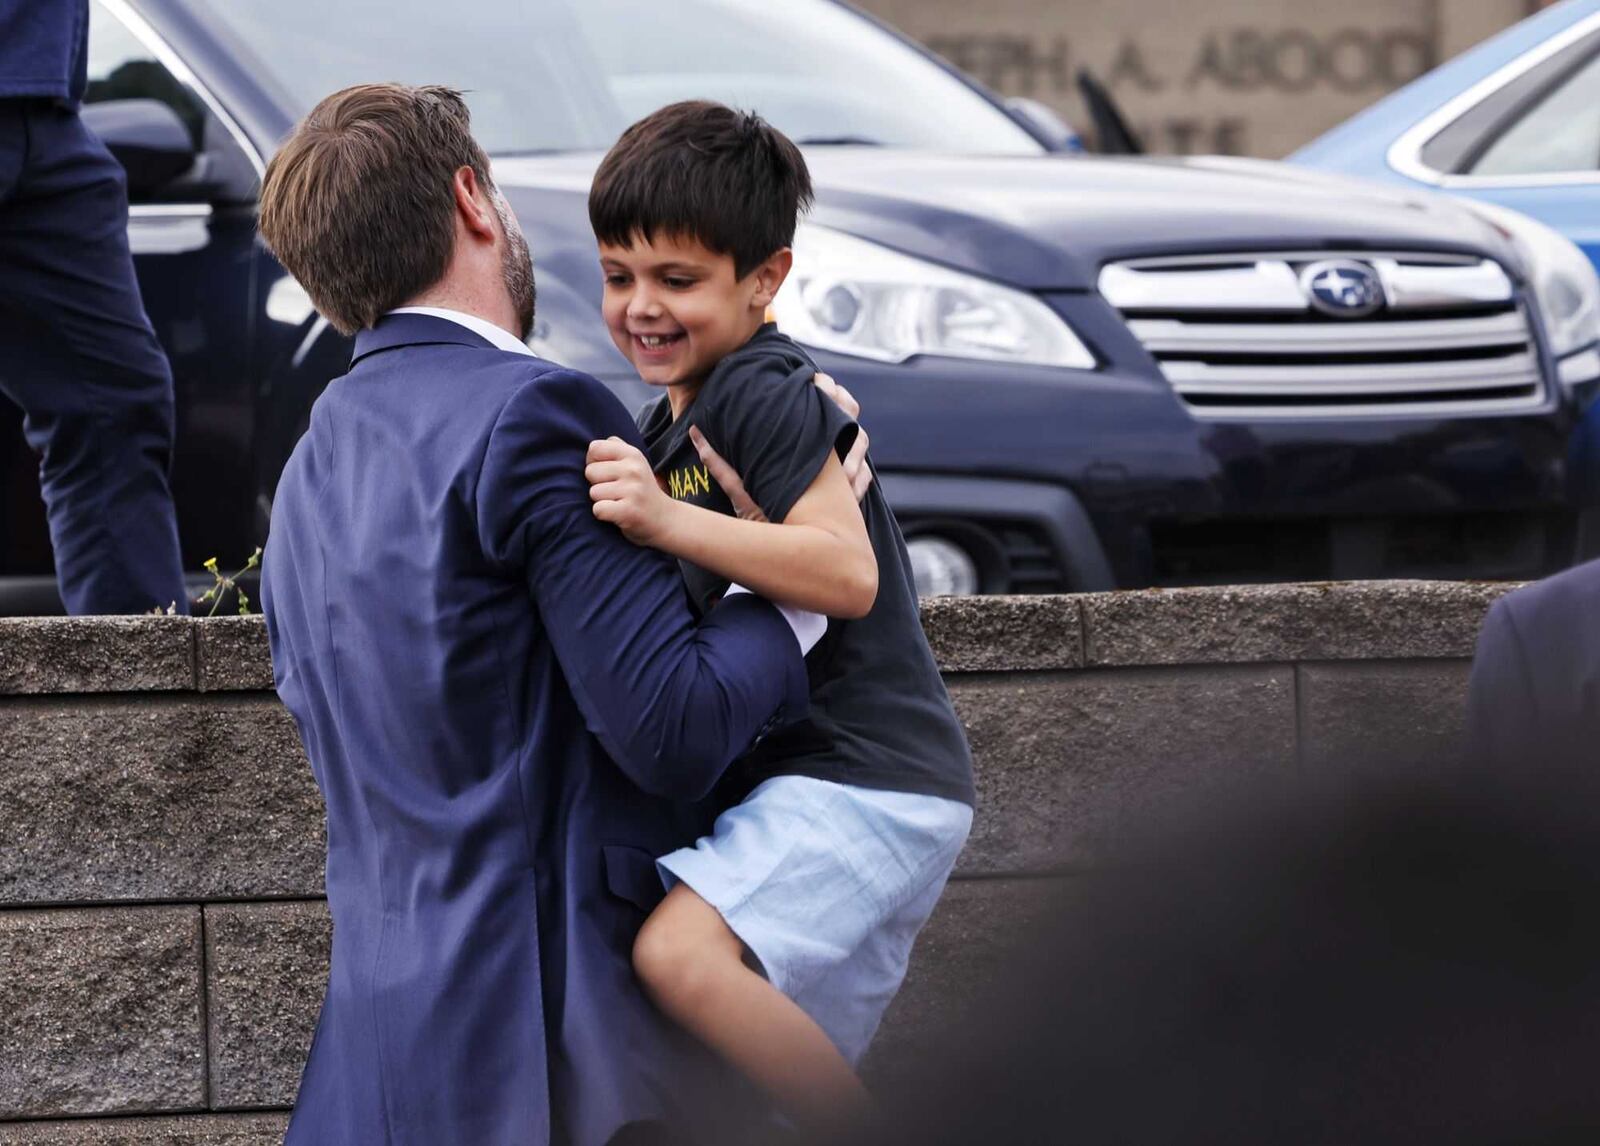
x=678, y=955
x=664, y=958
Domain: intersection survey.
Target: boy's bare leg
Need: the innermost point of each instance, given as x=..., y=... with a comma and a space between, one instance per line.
x=694, y=968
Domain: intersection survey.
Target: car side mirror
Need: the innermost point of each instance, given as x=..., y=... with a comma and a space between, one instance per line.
x=146, y=137
x=1043, y=119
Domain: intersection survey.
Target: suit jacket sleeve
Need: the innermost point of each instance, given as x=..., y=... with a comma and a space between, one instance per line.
x=672, y=703
x=1502, y=704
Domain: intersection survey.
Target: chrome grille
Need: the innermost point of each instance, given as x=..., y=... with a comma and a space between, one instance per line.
x=1237, y=336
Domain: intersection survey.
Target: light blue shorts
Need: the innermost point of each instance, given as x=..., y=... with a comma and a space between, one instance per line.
x=828, y=885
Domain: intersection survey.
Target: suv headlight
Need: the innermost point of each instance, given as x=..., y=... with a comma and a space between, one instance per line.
x=855, y=297
x=1562, y=278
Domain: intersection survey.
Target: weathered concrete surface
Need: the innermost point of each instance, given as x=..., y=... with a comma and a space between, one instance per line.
x=156, y=798
x=1378, y=718
x=100, y=1011
x=1249, y=624
x=95, y=654
x=1015, y=634
x=184, y=1130
x=1088, y=717
x=1285, y=623
x=267, y=969
x=1065, y=761
x=974, y=928
x=968, y=634
x=232, y=654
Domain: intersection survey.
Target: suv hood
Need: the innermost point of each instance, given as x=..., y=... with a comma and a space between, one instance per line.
x=1049, y=222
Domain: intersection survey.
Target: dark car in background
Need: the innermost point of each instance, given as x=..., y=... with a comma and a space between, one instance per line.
x=1079, y=373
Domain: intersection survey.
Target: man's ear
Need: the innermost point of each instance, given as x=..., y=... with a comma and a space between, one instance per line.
x=472, y=204
x=769, y=277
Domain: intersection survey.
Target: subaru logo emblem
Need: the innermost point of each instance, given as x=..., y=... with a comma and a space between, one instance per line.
x=1342, y=288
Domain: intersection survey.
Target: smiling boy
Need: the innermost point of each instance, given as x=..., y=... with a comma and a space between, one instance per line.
x=785, y=932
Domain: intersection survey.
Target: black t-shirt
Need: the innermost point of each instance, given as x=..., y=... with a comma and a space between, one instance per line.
x=880, y=715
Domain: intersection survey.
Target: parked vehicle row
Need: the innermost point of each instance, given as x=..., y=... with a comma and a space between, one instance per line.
x=1080, y=372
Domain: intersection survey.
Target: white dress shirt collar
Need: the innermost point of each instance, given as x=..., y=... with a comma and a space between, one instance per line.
x=503, y=339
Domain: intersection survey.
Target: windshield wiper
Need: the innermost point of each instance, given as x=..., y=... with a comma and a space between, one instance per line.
x=838, y=141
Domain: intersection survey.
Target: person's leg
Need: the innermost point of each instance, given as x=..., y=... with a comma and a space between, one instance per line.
x=696, y=970
x=77, y=353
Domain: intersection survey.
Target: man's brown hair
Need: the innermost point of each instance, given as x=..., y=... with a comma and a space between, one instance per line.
x=359, y=205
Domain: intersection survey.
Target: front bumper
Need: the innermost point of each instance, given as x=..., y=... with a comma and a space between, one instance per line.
x=1111, y=472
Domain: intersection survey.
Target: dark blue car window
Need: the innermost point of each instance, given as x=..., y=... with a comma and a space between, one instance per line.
x=569, y=75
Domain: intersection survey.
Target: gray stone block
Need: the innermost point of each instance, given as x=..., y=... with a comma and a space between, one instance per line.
x=95, y=654
x=100, y=1012
x=266, y=972
x=992, y=634
x=1066, y=762
x=183, y=1130
x=233, y=654
x=1283, y=623
x=1376, y=718
x=976, y=926
x=156, y=798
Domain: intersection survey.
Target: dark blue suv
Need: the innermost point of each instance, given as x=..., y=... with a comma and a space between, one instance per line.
x=1079, y=373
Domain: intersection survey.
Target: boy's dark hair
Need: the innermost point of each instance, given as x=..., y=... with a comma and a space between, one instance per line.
x=358, y=204
x=700, y=170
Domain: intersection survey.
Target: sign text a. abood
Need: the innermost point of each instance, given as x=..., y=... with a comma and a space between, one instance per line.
x=1219, y=77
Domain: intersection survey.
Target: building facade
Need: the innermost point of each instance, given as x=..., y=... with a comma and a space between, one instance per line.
x=1231, y=77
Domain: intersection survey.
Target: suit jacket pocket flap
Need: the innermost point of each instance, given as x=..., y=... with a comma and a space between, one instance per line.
x=631, y=875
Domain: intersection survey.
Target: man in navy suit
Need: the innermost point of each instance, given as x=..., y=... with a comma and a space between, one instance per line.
x=1534, y=699
x=507, y=706
x=77, y=352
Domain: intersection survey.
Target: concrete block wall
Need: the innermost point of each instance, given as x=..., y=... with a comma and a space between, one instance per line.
x=163, y=937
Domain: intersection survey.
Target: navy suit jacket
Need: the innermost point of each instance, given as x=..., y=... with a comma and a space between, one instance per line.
x=510, y=712
x=1535, y=692
x=44, y=48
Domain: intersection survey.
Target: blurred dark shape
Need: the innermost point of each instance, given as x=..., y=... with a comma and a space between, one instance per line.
x=145, y=136
x=1112, y=134
x=147, y=79
x=1534, y=699
x=1394, y=964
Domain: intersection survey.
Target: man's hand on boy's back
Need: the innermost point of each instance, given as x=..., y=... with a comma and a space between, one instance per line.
x=855, y=462
x=727, y=477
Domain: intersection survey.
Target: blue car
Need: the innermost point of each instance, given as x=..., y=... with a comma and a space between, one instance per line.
x=1079, y=372
x=1514, y=126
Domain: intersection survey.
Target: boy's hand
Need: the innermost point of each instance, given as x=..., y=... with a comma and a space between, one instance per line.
x=626, y=492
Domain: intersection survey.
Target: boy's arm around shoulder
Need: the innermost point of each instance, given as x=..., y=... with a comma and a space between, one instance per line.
x=784, y=437
x=672, y=703
x=819, y=557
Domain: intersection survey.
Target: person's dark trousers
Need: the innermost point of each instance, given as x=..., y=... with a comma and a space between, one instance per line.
x=78, y=355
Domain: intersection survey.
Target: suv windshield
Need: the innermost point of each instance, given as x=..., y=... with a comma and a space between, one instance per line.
x=569, y=75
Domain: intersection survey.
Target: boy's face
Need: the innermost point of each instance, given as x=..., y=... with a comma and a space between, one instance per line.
x=675, y=308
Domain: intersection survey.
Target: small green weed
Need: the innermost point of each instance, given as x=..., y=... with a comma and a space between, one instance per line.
x=224, y=582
